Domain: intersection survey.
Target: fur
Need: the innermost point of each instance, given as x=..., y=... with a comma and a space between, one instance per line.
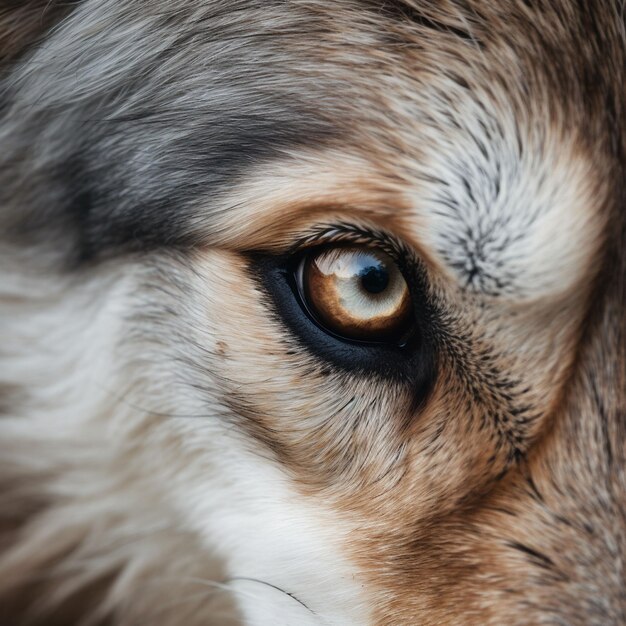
x=175, y=449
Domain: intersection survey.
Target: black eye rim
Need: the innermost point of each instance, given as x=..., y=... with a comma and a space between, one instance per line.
x=412, y=364
x=300, y=260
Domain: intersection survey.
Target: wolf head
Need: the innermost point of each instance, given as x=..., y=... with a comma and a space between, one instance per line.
x=208, y=417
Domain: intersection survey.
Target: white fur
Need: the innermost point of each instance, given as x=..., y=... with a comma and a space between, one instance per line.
x=105, y=424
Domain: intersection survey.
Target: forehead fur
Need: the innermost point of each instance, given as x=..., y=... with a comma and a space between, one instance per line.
x=136, y=132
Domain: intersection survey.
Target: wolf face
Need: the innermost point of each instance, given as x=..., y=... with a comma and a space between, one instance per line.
x=312, y=312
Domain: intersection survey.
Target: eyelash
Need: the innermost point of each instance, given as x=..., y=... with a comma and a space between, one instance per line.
x=350, y=234
x=413, y=363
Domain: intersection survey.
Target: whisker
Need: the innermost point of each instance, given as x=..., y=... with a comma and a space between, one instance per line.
x=262, y=582
x=150, y=412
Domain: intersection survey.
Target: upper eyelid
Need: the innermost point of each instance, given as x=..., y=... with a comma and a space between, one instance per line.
x=363, y=235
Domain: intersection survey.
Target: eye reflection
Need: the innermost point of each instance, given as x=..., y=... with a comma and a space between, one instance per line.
x=357, y=293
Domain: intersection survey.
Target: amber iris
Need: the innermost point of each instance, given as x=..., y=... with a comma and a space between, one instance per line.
x=357, y=292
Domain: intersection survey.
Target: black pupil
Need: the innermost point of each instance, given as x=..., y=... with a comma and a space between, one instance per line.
x=374, y=278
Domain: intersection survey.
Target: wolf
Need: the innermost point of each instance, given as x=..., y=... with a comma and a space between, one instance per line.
x=312, y=312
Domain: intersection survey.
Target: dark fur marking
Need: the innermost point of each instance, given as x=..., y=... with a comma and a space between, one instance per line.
x=400, y=10
x=541, y=560
x=108, y=215
x=25, y=23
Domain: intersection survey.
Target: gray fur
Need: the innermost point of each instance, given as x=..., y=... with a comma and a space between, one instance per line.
x=123, y=132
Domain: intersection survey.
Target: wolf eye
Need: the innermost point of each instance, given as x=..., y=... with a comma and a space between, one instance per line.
x=353, y=307
x=357, y=293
